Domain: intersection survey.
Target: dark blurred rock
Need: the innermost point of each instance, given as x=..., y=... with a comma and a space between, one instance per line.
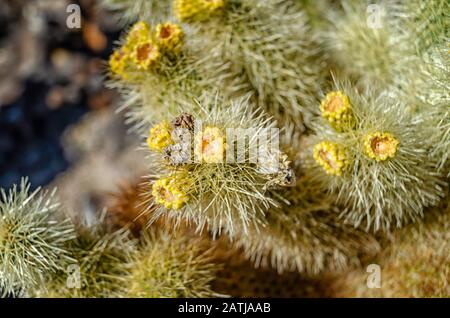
x=50, y=76
x=55, y=98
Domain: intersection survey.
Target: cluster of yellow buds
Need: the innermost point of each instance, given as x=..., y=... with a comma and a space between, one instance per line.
x=336, y=108
x=160, y=136
x=331, y=156
x=196, y=10
x=172, y=192
x=210, y=145
x=121, y=61
x=380, y=146
x=209, y=142
x=143, y=49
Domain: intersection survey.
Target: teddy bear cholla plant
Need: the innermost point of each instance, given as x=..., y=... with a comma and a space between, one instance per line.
x=438, y=104
x=419, y=75
x=143, y=10
x=238, y=276
x=178, y=262
x=268, y=47
x=155, y=67
x=367, y=42
x=427, y=22
x=379, y=165
x=173, y=265
x=199, y=176
x=170, y=262
x=414, y=70
x=427, y=94
x=102, y=261
x=427, y=90
x=111, y=263
x=414, y=264
x=305, y=234
x=382, y=44
x=32, y=239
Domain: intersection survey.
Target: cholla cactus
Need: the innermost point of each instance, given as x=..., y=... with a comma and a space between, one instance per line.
x=383, y=175
x=336, y=108
x=365, y=40
x=200, y=176
x=197, y=10
x=331, y=157
x=415, y=264
x=439, y=123
x=426, y=89
x=239, y=278
x=429, y=96
x=157, y=68
x=269, y=49
x=382, y=44
x=144, y=10
x=173, y=265
x=305, y=234
x=32, y=239
x=427, y=21
x=102, y=260
x=376, y=158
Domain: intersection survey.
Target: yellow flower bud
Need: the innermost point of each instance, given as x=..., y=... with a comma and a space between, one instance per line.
x=160, y=136
x=118, y=62
x=170, y=37
x=139, y=32
x=171, y=191
x=336, y=108
x=146, y=54
x=196, y=10
x=331, y=157
x=380, y=146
